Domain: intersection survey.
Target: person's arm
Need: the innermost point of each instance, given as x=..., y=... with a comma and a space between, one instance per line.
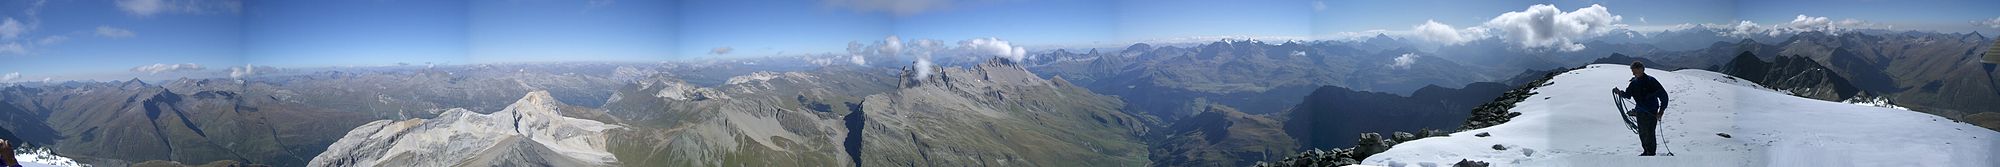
x=1663, y=99
x=1634, y=89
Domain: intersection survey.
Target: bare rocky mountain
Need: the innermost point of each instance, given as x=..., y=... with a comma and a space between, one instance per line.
x=531, y=132
x=1799, y=76
x=994, y=113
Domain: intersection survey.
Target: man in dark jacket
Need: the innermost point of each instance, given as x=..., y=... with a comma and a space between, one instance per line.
x=1652, y=99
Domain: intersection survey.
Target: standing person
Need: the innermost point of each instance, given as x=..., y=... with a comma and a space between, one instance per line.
x=1652, y=103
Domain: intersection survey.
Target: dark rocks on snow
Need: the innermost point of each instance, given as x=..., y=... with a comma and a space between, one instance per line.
x=1724, y=135
x=1495, y=112
x=1469, y=163
x=1482, y=134
x=1499, y=147
x=1366, y=145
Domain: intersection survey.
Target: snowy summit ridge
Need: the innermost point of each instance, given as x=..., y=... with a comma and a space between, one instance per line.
x=1712, y=121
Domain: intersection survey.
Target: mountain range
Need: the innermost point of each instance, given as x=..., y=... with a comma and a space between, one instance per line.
x=1224, y=103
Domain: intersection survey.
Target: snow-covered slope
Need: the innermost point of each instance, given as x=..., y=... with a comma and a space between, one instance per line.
x=532, y=132
x=1573, y=122
x=43, y=157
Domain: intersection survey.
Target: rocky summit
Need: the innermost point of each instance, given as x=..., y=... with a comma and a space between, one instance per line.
x=531, y=132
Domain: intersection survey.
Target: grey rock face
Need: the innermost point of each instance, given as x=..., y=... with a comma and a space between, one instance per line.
x=532, y=132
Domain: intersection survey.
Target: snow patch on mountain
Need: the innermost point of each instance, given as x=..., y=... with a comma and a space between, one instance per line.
x=43, y=157
x=1711, y=122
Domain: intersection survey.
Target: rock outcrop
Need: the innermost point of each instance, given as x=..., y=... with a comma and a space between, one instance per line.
x=531, y=132
x=1368, y=144
x=1495, y=112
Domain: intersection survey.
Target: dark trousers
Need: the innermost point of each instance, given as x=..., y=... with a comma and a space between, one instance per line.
x=1648, y=122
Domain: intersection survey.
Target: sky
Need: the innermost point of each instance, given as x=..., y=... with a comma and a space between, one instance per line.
x=72, y=39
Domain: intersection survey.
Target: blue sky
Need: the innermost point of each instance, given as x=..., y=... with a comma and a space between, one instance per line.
x=65, y=39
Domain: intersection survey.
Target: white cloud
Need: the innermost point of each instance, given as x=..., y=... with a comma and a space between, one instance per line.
x=721, y=50
x=924, y=49
x=1319, y=5
x=1404, y=62
x=1850, y=22
x=1799, y=23
x=1803, y=22
x=1744, y=28
x=10, y=76
x=1545, y=26
x=10, y=28
x=248, y=70
x=994, y=47
x=896, y=7
x=1433, y=31
x=891, y=46
x=114, y=32
x=13, y=48
x=50, y=40
x=160, y=68
x=239, y=72
x=923, y=68
x=857, y=60
x=148, y=8
x=1993, y=23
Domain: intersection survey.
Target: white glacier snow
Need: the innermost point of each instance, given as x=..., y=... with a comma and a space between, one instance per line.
x=1572, y=122
x=43, y=157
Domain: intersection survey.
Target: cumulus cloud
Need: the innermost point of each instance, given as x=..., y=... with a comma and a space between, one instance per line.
x=857, y=60
x=1404, y=62
x=1992, y=23
x=1433, y=31
x=897, y=7
x=1803, y=22
x=891, y=46
x=10, y=76
x=10, y=28
x=239, y=72
x=161, y=68
x=1545, y=26
x=994, y=47
x=148, y=8
x=114, y=32
x=721, y=50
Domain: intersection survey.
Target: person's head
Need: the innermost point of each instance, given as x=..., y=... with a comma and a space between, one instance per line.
x=1638, y=69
